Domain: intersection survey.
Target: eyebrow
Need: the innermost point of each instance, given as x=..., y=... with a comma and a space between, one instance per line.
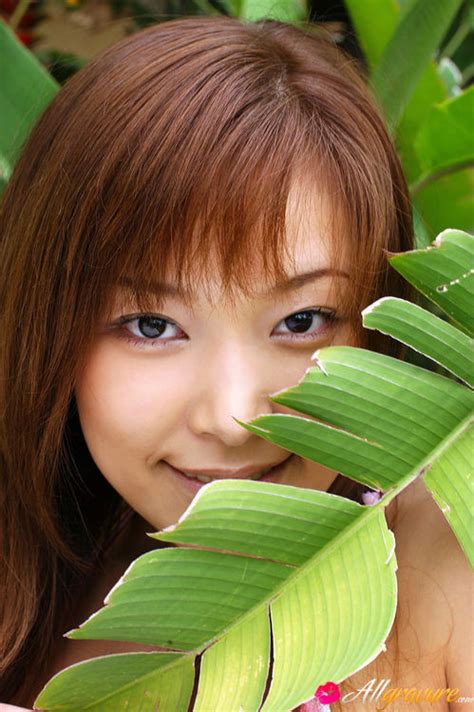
x=292, y=283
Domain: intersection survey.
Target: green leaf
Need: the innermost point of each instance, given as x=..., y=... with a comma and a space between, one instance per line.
x=392, y=412
x=428, y=92
x=447, y=201
x=234, y=670
x=445, y=274
x=455, y=493
x=323, y=618
x=446, y=142
x=232, y=7
x=283, y=10
x=302, y=561
x=410, y=49
x=5, y=172
x=208, y=9
x=374, y=22
x=314, y=617
x=125, y=681
x=26, y=89
x=425, y=333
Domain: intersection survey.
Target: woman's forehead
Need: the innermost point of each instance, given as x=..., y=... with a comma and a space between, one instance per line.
x=309, y=263
x=312, y=243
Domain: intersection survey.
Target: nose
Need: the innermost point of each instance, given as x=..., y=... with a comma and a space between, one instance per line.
x=233, y=383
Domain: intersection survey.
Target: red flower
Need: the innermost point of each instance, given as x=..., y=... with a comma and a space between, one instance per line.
x=25, y=37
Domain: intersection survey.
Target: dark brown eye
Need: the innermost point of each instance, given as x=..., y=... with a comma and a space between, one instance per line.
x=300, y=322
x=306, y=324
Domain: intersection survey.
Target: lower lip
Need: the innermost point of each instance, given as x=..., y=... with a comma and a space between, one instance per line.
x=195, y=485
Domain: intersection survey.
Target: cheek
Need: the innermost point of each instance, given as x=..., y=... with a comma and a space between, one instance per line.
x=124, y=406
x=348, y=335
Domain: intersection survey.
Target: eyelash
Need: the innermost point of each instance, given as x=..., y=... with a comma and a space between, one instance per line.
x=120, y=327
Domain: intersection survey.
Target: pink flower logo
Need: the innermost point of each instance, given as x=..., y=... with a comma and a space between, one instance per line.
x=328, y=693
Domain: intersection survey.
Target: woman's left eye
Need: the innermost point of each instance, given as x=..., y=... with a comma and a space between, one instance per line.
x=307, y=324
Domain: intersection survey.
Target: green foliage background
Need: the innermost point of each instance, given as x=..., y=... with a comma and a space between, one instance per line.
x=418, y=55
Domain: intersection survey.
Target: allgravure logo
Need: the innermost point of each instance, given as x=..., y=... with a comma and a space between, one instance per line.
x=382, y=695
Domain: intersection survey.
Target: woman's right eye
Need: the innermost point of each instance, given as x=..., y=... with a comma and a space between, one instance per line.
x=147, y=329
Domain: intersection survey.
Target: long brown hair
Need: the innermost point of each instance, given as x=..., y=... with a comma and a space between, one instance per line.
x=178, y=141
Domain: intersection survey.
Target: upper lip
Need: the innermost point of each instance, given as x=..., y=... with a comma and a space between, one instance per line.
x=227, y=474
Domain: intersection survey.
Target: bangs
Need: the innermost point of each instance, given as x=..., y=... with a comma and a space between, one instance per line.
x=209, y=210
x=231, y=225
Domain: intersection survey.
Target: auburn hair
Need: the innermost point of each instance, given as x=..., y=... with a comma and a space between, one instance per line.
x=179, y=142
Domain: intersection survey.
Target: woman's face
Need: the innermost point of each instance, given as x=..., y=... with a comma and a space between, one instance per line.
x=157, y=394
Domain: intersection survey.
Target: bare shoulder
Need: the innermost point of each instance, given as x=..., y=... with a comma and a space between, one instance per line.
x=425, y=539
x=436, y=578
x=422, y=529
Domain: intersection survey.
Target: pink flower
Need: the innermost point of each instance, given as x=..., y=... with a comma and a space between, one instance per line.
x=370, y=497
x=313, y=705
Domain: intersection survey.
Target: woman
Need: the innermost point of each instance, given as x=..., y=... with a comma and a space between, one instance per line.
x=199, y=209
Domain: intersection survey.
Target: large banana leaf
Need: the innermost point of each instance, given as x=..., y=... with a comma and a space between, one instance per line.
x=287, y=578
x=445, y=275
x=273, y=583
x=417, y=35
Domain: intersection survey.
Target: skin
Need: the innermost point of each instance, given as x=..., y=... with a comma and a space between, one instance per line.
x=147, y=404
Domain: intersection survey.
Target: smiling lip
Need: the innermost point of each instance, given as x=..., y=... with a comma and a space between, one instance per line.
x=228, y=474
x=195, y=485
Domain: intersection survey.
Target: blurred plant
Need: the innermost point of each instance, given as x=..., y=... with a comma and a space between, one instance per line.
x=420, y=65
x=26, y=90
x=61, y=65
x=23, y=16
x=458, y=43
x=411, y=49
